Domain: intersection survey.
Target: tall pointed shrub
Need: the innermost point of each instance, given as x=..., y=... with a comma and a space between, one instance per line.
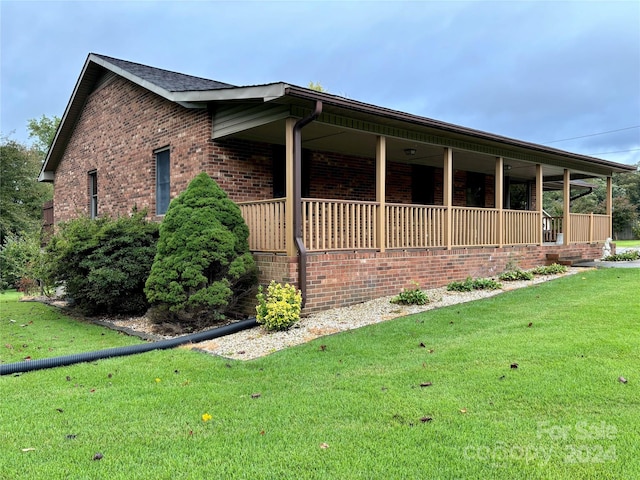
x=203, y=264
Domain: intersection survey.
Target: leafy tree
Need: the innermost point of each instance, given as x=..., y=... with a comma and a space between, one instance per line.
x=23, y=264
x=203, y=265
x=317, y=87
x=21, y=195
x=104, y=263
x=43, y=131
x=624, y=214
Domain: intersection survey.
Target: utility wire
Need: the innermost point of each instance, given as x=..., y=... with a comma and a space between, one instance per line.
x=593, y=135
x=617, y=151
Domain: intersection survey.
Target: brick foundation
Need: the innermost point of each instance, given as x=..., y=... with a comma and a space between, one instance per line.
x=340, y=279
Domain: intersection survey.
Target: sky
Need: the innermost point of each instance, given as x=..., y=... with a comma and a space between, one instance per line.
x=563, y=74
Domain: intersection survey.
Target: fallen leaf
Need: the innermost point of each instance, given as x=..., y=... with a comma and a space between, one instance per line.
x=92, y=390
x=423, y=345
x=431, y=350
x=110, y=375
x=98, y=456
x=59, y=410
x=68, y=378
x=463, y=410
x=176, y=371
x=28, y=449
x=9, y=346
x=323, y=348
x=622, y=380
x=256, y=395
x=426, y=384
x=530, y=323
x=324, y=445
x=514, y=365
x=502, y=377
x=426, y=419
x=261, y=432
x=27, y=358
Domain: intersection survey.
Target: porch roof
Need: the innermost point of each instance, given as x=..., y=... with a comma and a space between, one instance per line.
x=350, y=116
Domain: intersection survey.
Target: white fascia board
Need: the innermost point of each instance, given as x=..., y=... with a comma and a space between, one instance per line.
x=265, y=92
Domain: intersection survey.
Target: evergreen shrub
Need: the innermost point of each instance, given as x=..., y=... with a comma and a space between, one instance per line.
x=203, y=266
x=103, y=263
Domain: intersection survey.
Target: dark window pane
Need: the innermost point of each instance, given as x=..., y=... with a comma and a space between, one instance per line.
x=162, y=182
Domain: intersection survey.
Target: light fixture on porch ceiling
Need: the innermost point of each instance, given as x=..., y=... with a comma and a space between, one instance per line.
x=410, y=152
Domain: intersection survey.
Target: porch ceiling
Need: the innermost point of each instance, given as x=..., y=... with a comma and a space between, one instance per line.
x=330, y=138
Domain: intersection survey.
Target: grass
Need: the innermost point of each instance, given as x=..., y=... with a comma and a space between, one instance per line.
x=354, y=408
x=627, y=243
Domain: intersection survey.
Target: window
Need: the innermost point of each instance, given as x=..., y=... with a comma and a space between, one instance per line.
x=93, y=194
x=475, y=189
x=422, y=184
x=280, y=174
x=162, y=181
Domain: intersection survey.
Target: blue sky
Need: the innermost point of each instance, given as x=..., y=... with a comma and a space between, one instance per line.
x=538, y=71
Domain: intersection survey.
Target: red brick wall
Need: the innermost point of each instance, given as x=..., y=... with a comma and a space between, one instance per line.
x=341, y=279
x=119, y=130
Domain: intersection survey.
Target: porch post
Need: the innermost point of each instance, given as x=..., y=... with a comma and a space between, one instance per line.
x=381, y=175
x=539, y=204
x=447, y=194
x=290, y=243
x=566, y=202
x=609, y=205
x=499, y=179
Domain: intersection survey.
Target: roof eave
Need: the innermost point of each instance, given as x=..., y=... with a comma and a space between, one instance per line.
x=305, y=93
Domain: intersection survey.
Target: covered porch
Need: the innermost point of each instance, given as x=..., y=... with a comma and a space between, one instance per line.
x=371, y=199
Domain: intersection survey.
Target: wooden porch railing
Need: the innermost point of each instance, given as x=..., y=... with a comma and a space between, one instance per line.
x=588, y=227
x=338, y=225
x=348, y=225
x=415, y=226
x=551, y=227
x=473, y=226
x=266, y=222
x=521, y=227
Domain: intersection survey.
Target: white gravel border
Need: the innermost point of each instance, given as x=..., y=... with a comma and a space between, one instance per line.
x=258, y=342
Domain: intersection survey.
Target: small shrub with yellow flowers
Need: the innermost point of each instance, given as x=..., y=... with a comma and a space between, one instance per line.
x=279, y=308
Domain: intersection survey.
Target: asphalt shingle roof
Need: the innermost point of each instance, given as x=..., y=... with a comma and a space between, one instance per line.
x=170, y=81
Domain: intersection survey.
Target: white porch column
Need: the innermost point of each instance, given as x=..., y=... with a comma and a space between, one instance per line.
x=539, y=205
x=381, y=179
x=499, y=195
x=290, y=243
x=447, y=193
x=566, y=206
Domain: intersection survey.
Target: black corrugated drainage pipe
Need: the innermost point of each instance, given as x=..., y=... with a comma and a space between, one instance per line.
x=31, y=365
x=297, y=197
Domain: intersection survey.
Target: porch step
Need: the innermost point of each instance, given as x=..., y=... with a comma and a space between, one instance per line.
x=567, y=260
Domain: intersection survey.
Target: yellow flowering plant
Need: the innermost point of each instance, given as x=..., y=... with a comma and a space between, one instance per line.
x=280, y=307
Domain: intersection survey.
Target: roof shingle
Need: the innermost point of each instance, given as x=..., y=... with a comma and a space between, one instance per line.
x=168, y=80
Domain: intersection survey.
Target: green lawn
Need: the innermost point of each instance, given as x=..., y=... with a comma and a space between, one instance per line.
x=627, y=243
x=354, y=408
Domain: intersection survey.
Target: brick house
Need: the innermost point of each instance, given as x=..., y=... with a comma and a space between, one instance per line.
x=348, y=200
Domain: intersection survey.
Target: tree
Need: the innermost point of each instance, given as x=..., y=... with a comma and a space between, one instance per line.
x=21, y=195
x=203, y=264
x=43, y=130
x=317, y=86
